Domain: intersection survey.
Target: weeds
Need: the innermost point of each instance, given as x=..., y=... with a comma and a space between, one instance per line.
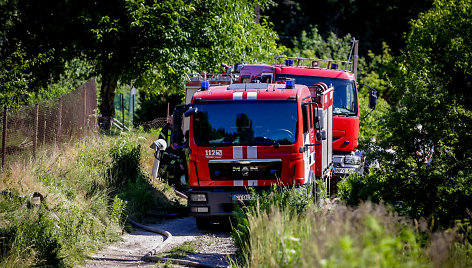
x=88, y=190
x=181, y=251
x=280, y=231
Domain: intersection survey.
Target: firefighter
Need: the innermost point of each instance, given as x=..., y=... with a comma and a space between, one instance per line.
x=172, y=158
x=166, y=131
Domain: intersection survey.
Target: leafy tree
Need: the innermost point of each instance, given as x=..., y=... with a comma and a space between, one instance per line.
x=16, y=77
x=126, y=39
x=433, y=92
x=174, y=37
x=372, y=22
x=373, y=70
x=313, y=45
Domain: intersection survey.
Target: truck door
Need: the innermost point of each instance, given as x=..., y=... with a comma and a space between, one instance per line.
x=308, y=141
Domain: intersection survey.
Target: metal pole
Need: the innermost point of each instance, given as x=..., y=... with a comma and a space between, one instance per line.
x=122, y=110
x=85, y=106
x=44, y=128
x=4, y=135
x=36, y=123
x=132, y=116
x=355, y=56
x=59, y=121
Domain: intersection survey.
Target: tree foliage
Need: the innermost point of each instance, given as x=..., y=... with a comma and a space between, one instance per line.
x=172, y=37
x=16, y=78
x=126, y=39
x=433, y=91
x=373, y=70
x=372, y=22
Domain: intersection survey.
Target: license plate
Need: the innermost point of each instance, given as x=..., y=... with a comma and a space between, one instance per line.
x=345, y=170
x=242, y=197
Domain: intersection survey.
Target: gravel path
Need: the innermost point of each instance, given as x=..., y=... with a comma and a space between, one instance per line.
x=213, y=247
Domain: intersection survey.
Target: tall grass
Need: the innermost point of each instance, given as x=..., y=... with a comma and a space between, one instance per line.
x=276, y=233
x=89, y=189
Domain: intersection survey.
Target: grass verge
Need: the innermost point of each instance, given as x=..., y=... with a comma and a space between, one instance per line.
x=73, y=200
x=284, y=229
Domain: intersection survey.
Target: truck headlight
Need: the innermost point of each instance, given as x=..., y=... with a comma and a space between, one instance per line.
x=198, y=198
x=199, y=209
x=352, y=160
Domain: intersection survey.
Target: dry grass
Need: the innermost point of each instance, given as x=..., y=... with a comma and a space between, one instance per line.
x=366, y=236
x=82, y=208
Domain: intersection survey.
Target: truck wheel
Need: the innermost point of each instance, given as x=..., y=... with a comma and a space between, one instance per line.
x=203, y=223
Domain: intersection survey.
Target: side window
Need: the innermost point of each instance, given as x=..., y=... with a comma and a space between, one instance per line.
x=316, y=122
x=305, y=118
x=349, y=97
x=310, y=114
x=266, y=77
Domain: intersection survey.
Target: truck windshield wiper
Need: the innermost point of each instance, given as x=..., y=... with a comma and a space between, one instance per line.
x=268, y=142
x=222, y=143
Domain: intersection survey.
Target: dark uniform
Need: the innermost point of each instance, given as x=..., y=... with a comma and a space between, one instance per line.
x=171, y=158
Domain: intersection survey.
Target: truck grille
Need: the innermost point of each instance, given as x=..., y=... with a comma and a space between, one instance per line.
x=260, y=169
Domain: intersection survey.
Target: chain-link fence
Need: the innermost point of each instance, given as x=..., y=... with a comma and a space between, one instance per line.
x=48, y=122
x=159, y=122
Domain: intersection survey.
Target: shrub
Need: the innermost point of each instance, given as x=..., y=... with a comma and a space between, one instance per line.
x=274, y=233
x=126, y=156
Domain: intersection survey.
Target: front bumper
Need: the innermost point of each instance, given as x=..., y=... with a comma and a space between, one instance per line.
x=219, y=201
x=343, y=169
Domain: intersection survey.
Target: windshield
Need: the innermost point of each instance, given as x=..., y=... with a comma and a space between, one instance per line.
x=245, y=123
x=345, y=95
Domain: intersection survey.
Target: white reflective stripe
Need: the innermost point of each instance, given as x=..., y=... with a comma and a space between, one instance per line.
x=252, y=183
x=252, y=152
x=312, y=158
x=238, y=183
x=237, y=152
x=310, y=179
x=252, y=95
x=237, y=96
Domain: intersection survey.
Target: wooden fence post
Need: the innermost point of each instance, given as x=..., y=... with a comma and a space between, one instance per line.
x=4, y=136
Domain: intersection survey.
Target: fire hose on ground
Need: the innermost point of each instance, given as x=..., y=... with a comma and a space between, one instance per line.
x=150, y=256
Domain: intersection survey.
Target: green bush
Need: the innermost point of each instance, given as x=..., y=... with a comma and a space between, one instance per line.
x=126, y=166
x=431, y=89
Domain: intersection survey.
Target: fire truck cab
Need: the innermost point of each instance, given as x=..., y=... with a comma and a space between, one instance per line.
x=254, y=135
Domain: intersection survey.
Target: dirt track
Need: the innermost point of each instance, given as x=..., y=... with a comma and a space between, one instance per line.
x=213, y=248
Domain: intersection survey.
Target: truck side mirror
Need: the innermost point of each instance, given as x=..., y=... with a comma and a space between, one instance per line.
x=191, y=111
x=373, y=99
x=177, y=134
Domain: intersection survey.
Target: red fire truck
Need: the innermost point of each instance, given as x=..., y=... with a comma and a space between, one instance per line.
x=253, y=135
x=341, y=75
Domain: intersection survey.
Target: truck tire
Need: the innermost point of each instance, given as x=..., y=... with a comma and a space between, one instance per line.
x=203, y=223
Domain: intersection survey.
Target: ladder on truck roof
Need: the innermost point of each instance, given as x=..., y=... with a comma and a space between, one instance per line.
x=314, y=63
x=194, y=81
x=349, y=66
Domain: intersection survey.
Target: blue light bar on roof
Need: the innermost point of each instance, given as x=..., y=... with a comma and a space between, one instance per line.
x=205, y=85
x=334, y=66
x=289, y=62
x=290, y=84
